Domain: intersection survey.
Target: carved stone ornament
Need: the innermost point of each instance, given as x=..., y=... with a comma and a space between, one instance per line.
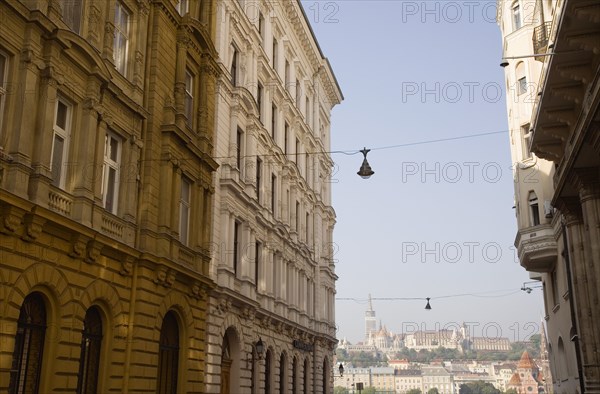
x=33, y=227
x=161, y=275
x=196, y=291
x=10, y=219
x=127, y=266
x=93, y=251
x=78, y=247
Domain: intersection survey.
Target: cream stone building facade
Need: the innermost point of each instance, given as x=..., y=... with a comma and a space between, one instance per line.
x=273, y=220
x=553, y=113
x=107, y=117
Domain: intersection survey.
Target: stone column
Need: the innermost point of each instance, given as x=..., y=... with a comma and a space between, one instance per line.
x=588, y=183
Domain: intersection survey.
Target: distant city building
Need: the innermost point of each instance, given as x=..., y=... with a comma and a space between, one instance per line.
x=408, y=379
x=437, y=377
x=527, y=378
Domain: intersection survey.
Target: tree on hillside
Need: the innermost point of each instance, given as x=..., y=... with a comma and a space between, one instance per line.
x=478, y=387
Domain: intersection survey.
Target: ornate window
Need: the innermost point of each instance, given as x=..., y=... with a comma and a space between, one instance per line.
x=121, y=42
x=29, y=346
x=71, y=14
x=183, y=7
x=111, y=172
x=189, y=98
x=168, y=355
x=60, y=141
x=3, y=83
x=184, y=211
x=89, y=361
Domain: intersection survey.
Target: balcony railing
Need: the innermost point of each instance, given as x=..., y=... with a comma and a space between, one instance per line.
x=59, y=201
x=541, y=35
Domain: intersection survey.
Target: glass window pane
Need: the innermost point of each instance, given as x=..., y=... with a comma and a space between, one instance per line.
x=114, y=149
x=2, y=69
x=61, y=115
x=57, y=159
x=110, y=189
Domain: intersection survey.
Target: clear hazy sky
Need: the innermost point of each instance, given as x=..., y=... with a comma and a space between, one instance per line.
x=416, y=71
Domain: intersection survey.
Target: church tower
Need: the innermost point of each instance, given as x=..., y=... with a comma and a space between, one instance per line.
x=370, y=321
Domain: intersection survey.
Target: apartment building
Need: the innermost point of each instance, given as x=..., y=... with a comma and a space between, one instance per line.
x=107, y=117
x=552, y=60
x=271, y=320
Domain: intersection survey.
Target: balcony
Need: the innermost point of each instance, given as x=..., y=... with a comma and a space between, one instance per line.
x=541, y=35
x=537, y=248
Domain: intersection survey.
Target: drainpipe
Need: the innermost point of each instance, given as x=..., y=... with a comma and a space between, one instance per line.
x=574, y=339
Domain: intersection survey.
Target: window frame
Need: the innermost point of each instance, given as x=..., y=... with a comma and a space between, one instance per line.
x=273, y=193
x=534, y=209
x=76, y=22
x=170, y=353
x=91, y=350
x=28, y=331
x=258, y=179
x=526, y=153
x=275, y=54
x=109, y=164
x=237, y=236
x=65, y=135
x=516, y=18
x=259, y=100
x=189, y=81
x=522, y=85
x=182, y=7
x=4, y=63
x=121, y=32
x=273, y=120
x=185, y=207
x=233, y=70
x=239, y=148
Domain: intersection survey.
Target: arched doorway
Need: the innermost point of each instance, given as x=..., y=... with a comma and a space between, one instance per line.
x=230, y=362
x=325, y=376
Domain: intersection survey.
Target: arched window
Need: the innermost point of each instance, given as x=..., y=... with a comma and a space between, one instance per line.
x=282, y=374
x=561, y=368
x=305, y=376
x=325, y=377
x=295, y=376
x=268, y=358
x=168, y=355
x=89, y=361
x=534, y=209
x=29, y=346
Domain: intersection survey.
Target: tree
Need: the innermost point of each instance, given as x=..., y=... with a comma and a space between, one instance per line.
x=433, y=391
x=479, y=387
x=340, y=390
x=414, y=391
x=370, y=390
x=511, y=391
